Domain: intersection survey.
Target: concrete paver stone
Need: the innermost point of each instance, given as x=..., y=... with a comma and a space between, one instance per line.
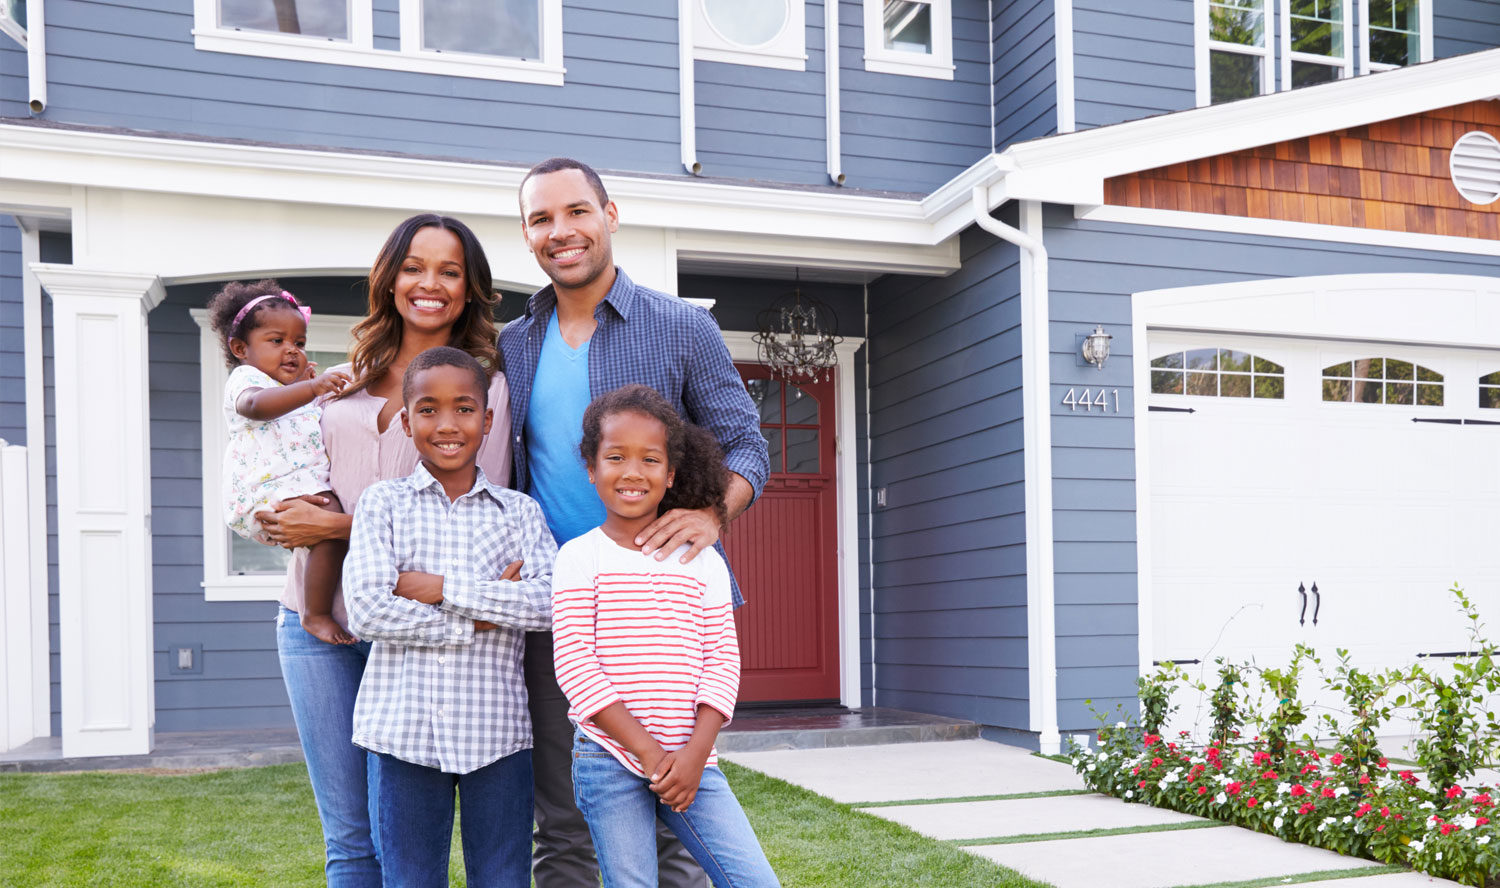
x=1165, y=859
x=1019, y=817
x=913, y=770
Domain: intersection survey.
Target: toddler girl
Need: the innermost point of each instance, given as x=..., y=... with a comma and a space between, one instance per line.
x=275, y=443
x=646, y=652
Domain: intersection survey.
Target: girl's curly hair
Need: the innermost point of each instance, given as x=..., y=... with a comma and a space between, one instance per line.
x=700, y=478
x=227, y=303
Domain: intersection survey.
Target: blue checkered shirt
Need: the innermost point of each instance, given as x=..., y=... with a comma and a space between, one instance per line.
x=435, y=692
x=645, y=336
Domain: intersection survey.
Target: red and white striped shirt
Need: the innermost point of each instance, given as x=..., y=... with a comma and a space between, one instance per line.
x=655, y=635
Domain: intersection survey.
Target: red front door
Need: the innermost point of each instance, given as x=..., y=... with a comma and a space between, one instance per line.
x=784, y=549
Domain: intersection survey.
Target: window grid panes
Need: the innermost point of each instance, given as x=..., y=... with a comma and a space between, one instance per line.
x=1382, y=381
x=789, y=418
x=908, y=26
x=1217, y=373
x=1237, y=48
x=1394, y=33
x=1315, y=40
x=328, y=19
x=1489, y=391
x=13, y=15
x=503, y=28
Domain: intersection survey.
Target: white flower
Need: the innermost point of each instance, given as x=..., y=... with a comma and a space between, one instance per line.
x=1483, y=840
x=1092, y=768
x=1416, y=846
x=1341, y=791
x=1220, y=799
x=1428, y=805
x=1283, y=788
x=1322, y=826
x=1328, y=820
x=1466, y=822
x=1277, y=822
x=1348, y=818
x=1440, y=855
x=1120, y=725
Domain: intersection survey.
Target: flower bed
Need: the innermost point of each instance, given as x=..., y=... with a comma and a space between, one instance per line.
x=1363, y=810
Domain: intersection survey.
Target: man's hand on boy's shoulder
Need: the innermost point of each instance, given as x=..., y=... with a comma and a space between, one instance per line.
x=421, y=587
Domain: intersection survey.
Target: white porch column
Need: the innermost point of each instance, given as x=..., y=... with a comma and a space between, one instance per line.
x=103, y=506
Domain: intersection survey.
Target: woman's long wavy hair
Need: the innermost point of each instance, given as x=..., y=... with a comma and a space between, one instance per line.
x=377, y=338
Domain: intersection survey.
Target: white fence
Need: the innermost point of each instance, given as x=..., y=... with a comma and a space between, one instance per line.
x=23, y=612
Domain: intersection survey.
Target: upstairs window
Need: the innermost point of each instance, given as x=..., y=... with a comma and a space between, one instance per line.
x=13, y=19
x=1314, y=43
x=913, y=37
x=1238, y=49
x=768, y=33
x=517, y=40
x=1396, y=33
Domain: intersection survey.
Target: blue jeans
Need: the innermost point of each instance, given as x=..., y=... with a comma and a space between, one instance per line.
x=321, y=681
x=622, y=811
x=416, y=823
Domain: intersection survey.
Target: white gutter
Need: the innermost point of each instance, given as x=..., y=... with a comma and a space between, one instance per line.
x=36, y=55
x=687, y=97
x=1036, y=412
x=831, y=91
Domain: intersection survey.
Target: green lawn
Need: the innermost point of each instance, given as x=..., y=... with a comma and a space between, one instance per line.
x=259, y=827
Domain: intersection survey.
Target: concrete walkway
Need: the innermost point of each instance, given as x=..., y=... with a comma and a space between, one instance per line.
x=1019, y=810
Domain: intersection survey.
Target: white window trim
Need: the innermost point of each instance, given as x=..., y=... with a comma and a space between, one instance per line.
x=12, y=28
x=787, y=50
x=1202, y=46
x=878, y=59
x=1344, y=65
x=1424, y=22
x=359, y=50
x=324, y=333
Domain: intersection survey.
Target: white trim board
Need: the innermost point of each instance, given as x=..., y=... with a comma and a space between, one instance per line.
x=1278, y=228
x=742, y=348
x=1456, y=311
x=1062, y=43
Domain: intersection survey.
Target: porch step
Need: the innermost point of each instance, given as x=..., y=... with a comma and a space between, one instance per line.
x=174, y=751
x=763, y=730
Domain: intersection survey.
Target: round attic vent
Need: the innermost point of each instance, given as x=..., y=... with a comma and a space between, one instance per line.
x=1474, y=165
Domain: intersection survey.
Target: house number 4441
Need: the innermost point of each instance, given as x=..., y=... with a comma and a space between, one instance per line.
x=1088, y=399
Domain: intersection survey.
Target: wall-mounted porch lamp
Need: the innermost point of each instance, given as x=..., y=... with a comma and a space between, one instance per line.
x=1096, y=346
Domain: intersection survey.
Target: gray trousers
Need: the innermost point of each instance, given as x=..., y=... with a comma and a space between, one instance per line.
x=563, y=856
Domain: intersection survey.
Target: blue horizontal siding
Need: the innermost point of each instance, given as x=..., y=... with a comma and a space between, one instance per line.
x=1131, y=61
x=12, y=338
x=1464, y=26
x=949, y=546
x=1094, y=269
x=1025, y=71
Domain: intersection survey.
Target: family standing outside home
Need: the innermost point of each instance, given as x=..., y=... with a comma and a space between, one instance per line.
x=589, y=332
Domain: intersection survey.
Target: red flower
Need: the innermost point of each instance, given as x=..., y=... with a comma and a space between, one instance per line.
x=1142, y=784
x=1234, y=788
x=1483, y=800
x=1316, y=784
x=1250, y=802
x=1171, y=747
x=1481, y=821
x=1150, y=739
x=1156, y=763
x=1385, y=811
x=1260, y=758
x=1364, y=779
x=1380, y=828
x=1327, y=792
x=1310, y=766
x=1269, y=775
x=1202, y=790
x=1455, y=791
x=1447, y=828
x=1299, y=790
x=1409, y=777
x=1364, y=809
x=1307, y=808
x=1337, y=759
x=1135, y=770
x=1382, y=763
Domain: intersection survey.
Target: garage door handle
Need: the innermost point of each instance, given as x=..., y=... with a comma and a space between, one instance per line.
x=1302, y=590
x=1317, y=602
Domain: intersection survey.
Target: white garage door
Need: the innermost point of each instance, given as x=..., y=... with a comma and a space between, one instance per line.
x=1368, y=471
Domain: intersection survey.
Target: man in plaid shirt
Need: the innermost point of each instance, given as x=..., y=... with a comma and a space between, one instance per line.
x=432, y=579
x=591, y=331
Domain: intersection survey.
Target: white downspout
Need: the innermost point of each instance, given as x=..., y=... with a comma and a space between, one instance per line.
x=686, y=85
x=831, y=89
x=1036, y=387
x=36, y=55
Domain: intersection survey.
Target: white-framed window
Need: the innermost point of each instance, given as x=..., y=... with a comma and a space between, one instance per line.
x=1315, y=44
x=518, y=40
x=1382, y=381
x=13, y=19
x=1235, y=50
x=1394, y=33
x=768, y=33
x=913, y=37
x=236, y=569
x=1217, y=373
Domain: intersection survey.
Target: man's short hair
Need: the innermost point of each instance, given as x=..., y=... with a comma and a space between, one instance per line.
x=558, y=164
x=446, y=356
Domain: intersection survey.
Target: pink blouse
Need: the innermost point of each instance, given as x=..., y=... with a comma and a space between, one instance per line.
x=359, y=455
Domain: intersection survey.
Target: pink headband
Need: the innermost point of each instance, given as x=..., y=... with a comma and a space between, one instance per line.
x=306, y=311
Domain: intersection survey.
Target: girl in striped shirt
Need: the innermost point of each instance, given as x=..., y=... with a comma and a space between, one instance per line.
x=646, y=653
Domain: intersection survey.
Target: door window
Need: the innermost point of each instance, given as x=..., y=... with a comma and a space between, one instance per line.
x=789, y=423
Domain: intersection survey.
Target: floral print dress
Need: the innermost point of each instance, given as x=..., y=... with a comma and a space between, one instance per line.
x=268, y=460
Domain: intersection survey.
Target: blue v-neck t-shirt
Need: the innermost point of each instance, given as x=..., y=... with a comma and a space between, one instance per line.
x=554, y=429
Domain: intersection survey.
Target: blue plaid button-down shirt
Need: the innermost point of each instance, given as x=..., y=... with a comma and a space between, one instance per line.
x=645, y=336
x=435, y=692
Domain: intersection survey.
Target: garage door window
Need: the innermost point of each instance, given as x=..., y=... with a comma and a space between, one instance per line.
x=1383, y=381
x=1489, y=391
x=1217, y=372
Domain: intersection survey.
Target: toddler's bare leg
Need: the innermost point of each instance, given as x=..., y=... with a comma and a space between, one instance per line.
x=320, y=581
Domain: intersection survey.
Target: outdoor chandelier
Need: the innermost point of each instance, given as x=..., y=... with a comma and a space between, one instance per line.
x=796, y=338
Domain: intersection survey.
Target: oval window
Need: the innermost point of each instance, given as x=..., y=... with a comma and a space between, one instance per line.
x=747, y=22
